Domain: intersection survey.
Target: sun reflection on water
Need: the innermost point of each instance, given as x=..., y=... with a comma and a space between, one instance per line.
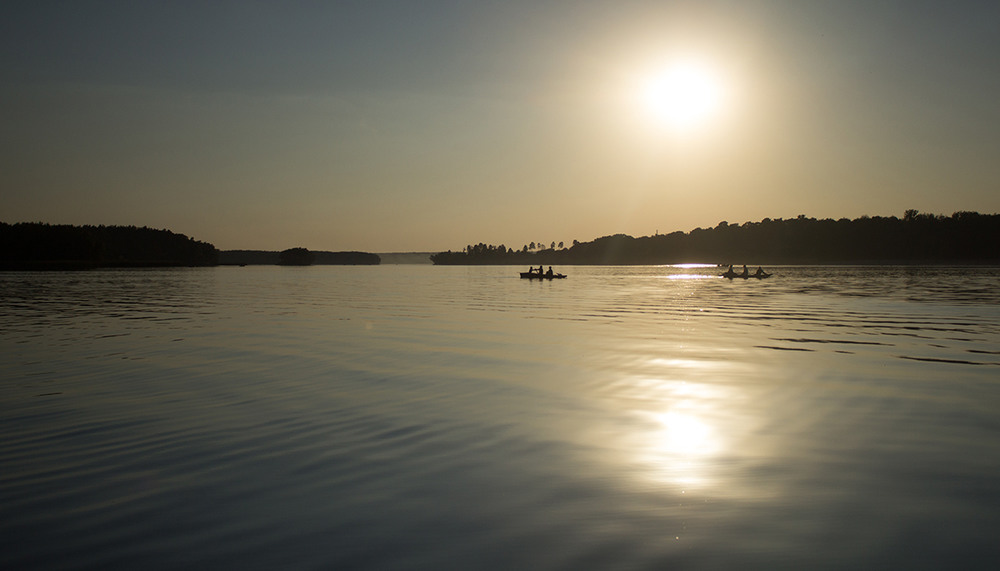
x=686, y=416
x=684, y=430
x=686, y=434
x=691, y=276
x=679, y=448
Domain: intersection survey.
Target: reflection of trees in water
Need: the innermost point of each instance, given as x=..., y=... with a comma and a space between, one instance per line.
x=961, y=237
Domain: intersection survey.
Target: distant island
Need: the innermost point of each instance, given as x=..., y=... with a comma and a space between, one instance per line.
x=296, y=257
x=39, y=246
x=963, y=237
x=406, y=257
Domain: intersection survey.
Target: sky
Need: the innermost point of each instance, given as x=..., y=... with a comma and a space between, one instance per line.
x=426, y=126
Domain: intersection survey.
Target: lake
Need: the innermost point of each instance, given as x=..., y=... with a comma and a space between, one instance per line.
x=424, y=417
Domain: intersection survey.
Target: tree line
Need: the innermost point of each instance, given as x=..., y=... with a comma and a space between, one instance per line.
x=297, y=257
x=35, y=245
x=963, y=237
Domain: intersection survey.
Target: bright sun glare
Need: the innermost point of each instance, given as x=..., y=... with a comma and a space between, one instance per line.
x=682, y=96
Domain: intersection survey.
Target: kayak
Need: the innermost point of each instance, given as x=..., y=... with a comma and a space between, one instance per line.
x=534, y=276
x=732, y=275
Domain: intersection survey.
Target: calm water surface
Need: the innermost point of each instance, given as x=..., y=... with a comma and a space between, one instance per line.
x=400, y=417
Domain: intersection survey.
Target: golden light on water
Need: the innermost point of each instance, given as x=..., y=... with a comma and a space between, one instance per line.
x=682, y=419
x=686, y=434
x=679, y=443
x=694, y=428
x=690, y=276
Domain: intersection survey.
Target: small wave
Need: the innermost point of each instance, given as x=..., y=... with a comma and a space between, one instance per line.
x=950, y=361
x=837, y=341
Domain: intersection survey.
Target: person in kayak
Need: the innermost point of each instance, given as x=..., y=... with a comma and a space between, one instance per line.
x=548, y=274
x=760, y=271
x=746, y=273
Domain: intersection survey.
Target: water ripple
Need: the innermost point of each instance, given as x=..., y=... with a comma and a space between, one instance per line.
x=425, y=417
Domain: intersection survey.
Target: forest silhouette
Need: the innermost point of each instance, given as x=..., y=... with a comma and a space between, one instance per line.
x=34, y=245
x=39, y=246
x=964, y=237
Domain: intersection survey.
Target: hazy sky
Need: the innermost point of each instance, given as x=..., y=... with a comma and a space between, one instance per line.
x=429, y=125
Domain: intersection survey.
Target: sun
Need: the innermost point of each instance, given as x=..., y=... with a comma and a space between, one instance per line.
x=682, y=96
